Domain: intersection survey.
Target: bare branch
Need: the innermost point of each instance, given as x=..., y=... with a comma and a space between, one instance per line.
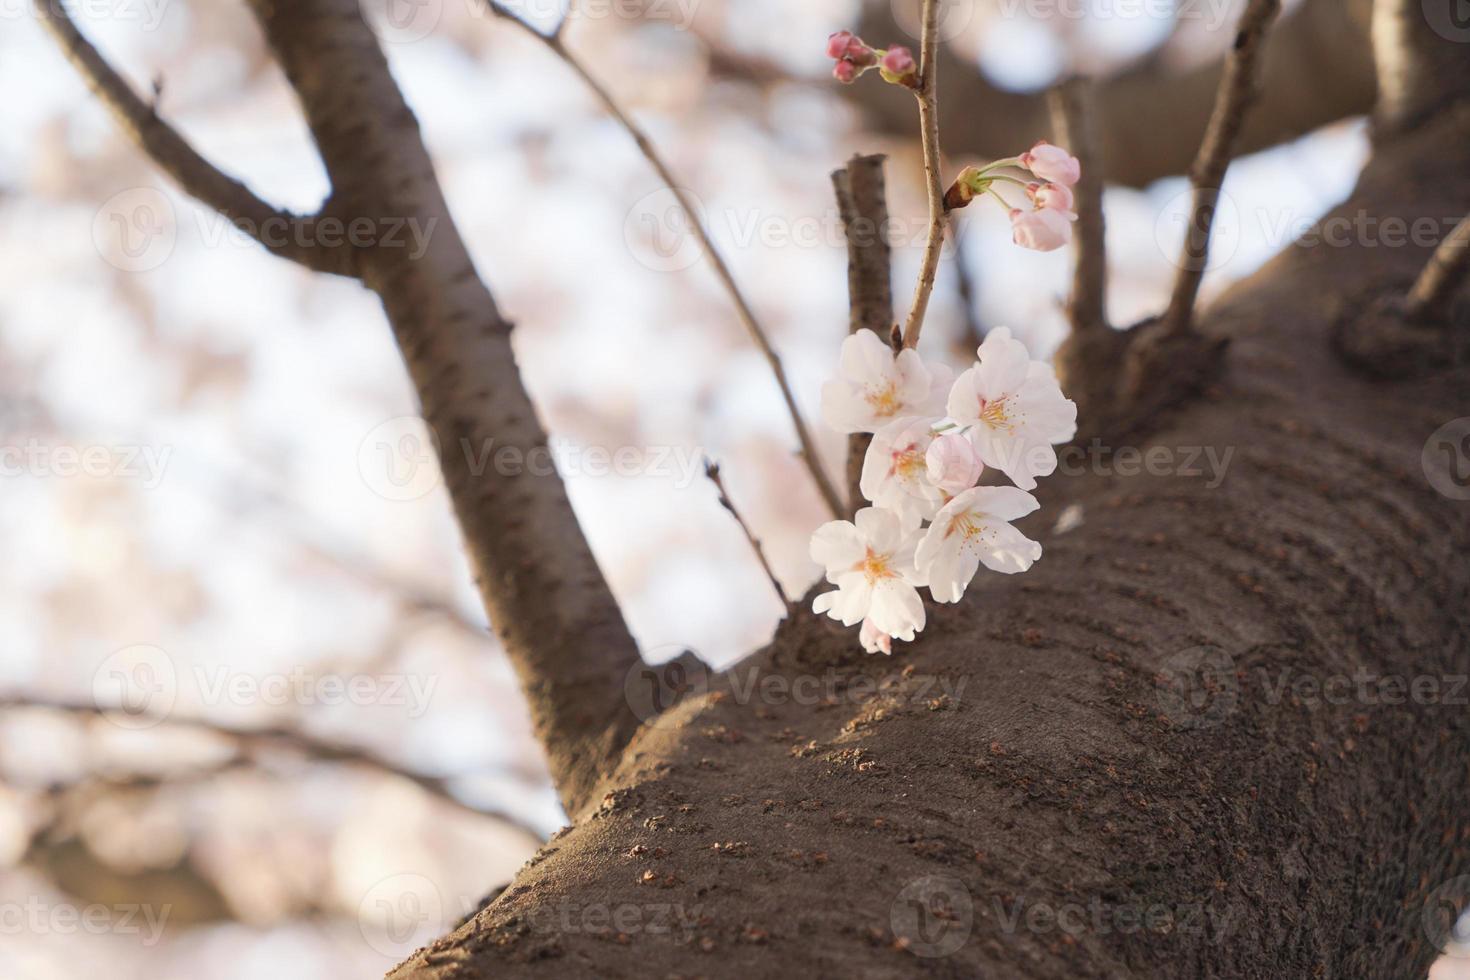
x=928, y=95
x=1071, y=104
x=547, y=599
x=1446, y=272
x=282, y=233
x=712, y=470
x=752, y=324
x=252, y=741
x=863, y=206
x=1238, y=89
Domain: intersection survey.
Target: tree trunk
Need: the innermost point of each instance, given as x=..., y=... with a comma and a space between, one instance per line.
x=1182, y=732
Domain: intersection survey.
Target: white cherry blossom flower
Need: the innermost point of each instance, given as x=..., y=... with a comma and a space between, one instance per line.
x=874, y=388
x=1013, y=409
x=972, y=529
x=895, y=472
x=871, y=561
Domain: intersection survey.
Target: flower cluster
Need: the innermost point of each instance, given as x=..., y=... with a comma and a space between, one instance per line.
x=1046, y=223
x=932, y=440
x=854, y=56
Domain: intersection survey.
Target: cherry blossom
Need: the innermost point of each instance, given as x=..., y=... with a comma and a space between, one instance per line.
x=1054, y=197
x=871, y=561
x=1042, y=230
x=1013, y=410
x=895, y=470
x=1052, y=163
x=973, y=529
x=874, y=388
x=952, y=465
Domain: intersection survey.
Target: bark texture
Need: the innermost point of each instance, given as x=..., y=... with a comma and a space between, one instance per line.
x=1299, y=837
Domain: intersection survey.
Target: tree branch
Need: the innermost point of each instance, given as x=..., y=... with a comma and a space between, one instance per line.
x=1419, y=52
x=928, y=96
x=1087, y=308
x=712, y=470
x=1238, y=89
x=282, y=233
x=254, y=740
x=546, y=597
x=743, y=310
x=862, y=205
x=1445, y=273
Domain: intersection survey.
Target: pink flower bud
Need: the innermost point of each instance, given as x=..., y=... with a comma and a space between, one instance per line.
x=845, y=72
x=875, y=640
x=1052, y=163
x=1043, y=230
x=1057, y=197
x=899, y=61
x=953, y=464
x=837, y=44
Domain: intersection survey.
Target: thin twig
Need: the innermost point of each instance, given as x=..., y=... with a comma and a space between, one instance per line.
x=928, y=95
x=253, y=740
x=282, y=233
x=1445, y=273
x=863, y=206
x=712, y=470
x=1071, y=107
x=555, y=44
x=1239, y=87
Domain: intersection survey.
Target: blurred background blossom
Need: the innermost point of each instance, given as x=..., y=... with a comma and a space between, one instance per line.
x=214, y=486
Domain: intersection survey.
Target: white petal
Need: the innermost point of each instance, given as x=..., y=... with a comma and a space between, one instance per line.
x=897, y=609
x=964, y=399
x=1003, y=365
x=1008, y=550
x=880, y=528
x=865, y=358
x=998, y=503
x=844, y=409
x=836, y=545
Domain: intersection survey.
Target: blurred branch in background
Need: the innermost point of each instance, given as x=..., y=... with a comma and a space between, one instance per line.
x=252, y=741
x=554, y=43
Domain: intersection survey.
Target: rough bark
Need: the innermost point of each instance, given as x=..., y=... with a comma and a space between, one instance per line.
x=1301, y=837
x=547, y=600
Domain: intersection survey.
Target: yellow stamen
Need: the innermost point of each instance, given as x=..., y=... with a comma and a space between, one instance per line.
x=884, y=400
x=875, y=566
x=994, y=414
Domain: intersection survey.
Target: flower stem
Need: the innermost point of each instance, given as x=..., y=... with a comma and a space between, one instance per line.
x=928, y=95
